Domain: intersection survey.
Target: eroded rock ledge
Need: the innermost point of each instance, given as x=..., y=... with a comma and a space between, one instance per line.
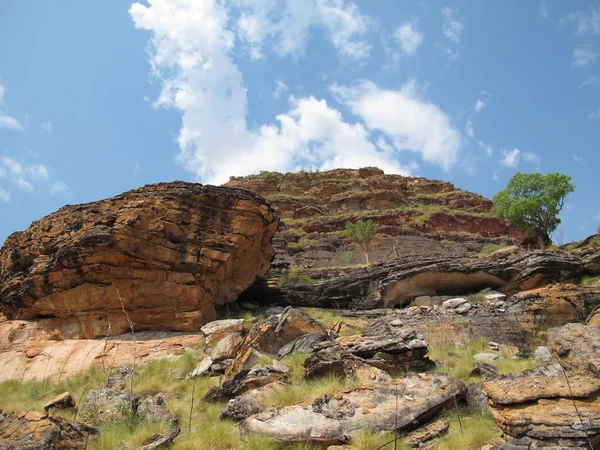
x=170, y=251
x=398, y=282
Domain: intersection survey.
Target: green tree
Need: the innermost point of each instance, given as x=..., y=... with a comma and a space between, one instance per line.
x=532, y=201
x=361, y=232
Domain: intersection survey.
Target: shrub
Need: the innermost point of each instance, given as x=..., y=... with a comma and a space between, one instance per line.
x=293, y=278
x=491, y=248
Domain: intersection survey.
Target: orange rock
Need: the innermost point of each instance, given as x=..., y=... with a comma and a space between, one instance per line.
x=170, y=252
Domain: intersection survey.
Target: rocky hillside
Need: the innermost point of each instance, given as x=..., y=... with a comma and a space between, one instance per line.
x=415, y=216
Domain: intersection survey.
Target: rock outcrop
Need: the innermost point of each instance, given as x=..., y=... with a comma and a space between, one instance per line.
x=402, y=404
x=272, y=334
x=168, y=254
x=399, y=282
x=33, y=430
x=559, y=410
x=413, y=214
x=27, y=352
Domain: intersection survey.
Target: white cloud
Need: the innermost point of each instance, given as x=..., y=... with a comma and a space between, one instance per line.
x=495, y=176
x=59, y=187
x=584, y=21
x=511, y=157
x=46, y=128
x=479, y=105
x=191, y=52
x=531, y=157
x=280, y=88
x=136, y=168
x=593, y=82
x=544, y=9
x=409, y=38
x=469, y=128
x=584, y=56
x=285, y=24
x=452, y=27
x=4, y=195
x=598, y=216
x=7, y=121
x=27, y=177
x=595, y=115
x=411, y=123
x=578, y=159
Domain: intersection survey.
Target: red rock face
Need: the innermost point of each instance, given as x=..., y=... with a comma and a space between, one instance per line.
x=171, y=252
x=316, y=206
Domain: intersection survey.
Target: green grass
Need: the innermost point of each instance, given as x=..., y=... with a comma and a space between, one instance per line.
x=491, y=248
x=476, y=431
x=293, y=278
x=123, y=435
x=370, y=440
x=301, y=391
x=458, y=362
x=588, y=280
x=328, y=318
x=304, y=243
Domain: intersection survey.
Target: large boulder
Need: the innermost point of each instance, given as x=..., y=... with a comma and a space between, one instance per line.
x=245, y=381
x=108, y=405
x=577, y=346
x=33, y=430
x=402, y=404
x=168, y=253
x=252, y=401
x=272, y=334
x=541, y=411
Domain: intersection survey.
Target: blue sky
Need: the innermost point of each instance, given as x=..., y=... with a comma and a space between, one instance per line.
x=100, y=97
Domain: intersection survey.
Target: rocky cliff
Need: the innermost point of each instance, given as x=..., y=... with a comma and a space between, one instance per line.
x=415, y=215
x=167, y=254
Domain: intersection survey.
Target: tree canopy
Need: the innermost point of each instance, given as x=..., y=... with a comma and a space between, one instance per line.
x=361, y=232
x=532, y=201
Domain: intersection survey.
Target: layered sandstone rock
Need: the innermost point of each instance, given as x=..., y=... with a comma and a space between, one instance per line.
x=27, y=352
x=33, y=430
x=559, y=410
x=167, y=253
x=538, y=412
x=410, y=211
x=398, y=282
x=401, y=404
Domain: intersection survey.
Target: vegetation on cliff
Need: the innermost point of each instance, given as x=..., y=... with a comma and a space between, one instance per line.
x=532, y=201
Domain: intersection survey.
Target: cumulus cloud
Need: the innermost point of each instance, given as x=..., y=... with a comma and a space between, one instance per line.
x=479, y=105
x=4, y=195
x=452, y=27
x=191, y=51
x=584, y=56
x=285, y=25
x=411, y=122
x=584, y=21
x=469, y=128
x=7, y=121
x=46, y=128
x=531, y=157
x=511, y=157
x=27, y=176
x=408, y=37
x=280, y=88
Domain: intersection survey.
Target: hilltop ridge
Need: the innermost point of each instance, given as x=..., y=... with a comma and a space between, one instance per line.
x=415, y=215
